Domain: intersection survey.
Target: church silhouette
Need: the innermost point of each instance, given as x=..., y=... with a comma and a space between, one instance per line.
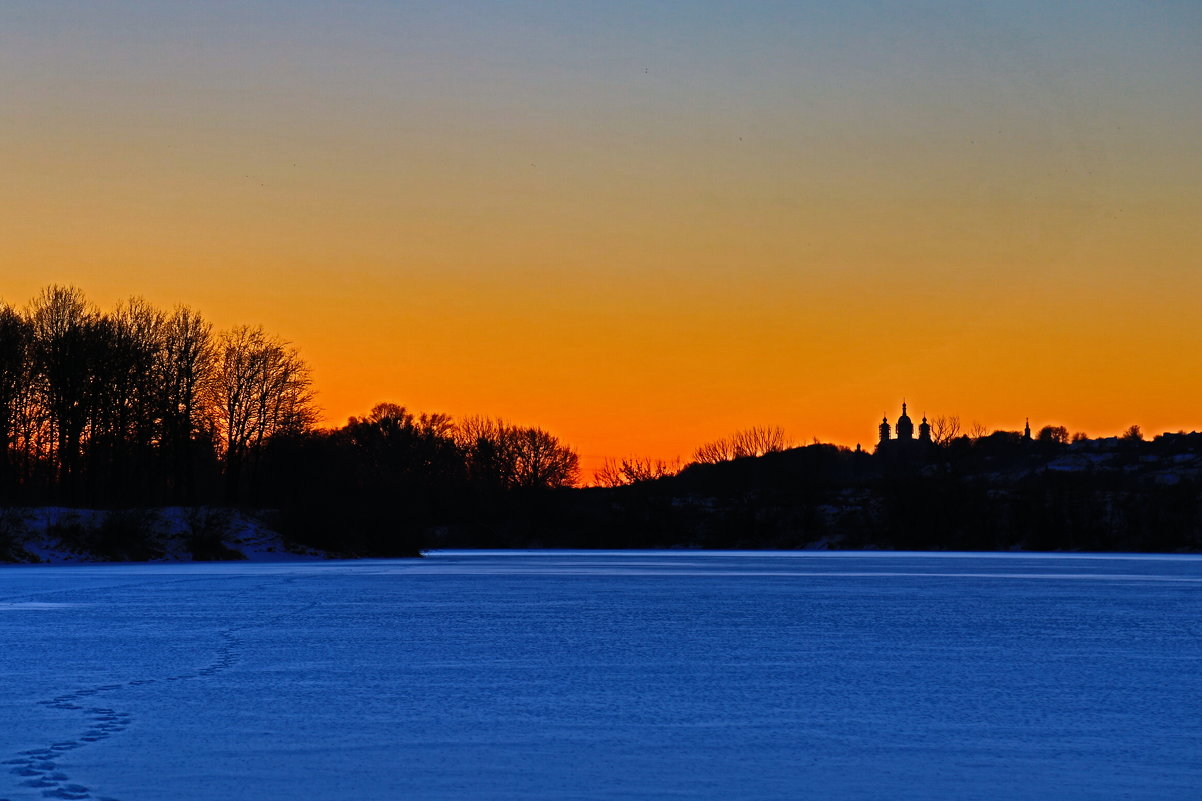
x=906, y=445
x=905, y=441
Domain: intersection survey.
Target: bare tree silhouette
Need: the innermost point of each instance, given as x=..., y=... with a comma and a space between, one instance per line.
x=633, y=470
x=544, y=461
x=511, y=456
x=944, y=428
x=261, y=387
x=186, y=367
x=127, y=417
x=754, y=441
x=15, y=338
x=66, y=354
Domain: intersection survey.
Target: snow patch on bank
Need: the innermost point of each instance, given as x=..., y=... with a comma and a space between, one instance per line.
x=61, y=535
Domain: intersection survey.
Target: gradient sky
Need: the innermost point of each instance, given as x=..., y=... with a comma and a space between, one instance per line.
x=638, y=225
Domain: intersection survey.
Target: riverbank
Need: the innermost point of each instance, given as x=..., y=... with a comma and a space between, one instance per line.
x=61, y=535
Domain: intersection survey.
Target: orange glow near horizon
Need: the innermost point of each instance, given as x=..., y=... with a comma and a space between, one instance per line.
x=639, y=234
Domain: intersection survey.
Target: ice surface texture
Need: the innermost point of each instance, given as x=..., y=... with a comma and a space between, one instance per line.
x=634, y=675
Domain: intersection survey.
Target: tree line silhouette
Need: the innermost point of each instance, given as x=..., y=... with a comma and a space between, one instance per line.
x=998, y=491
x=142, y=407
x=382, y=483
x=138, y=405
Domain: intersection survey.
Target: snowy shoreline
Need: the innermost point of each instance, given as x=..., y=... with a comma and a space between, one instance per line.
x=59, y=535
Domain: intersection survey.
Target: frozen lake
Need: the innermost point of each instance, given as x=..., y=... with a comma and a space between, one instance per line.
x=606, y=675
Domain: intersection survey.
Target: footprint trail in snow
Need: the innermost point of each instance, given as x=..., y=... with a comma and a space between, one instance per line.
x=38, y=769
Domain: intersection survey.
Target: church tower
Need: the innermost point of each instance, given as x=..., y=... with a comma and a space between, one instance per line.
x=924, y=430
x=905, y=427
x=884, y=428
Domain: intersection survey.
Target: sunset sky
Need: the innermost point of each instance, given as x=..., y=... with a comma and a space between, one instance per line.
x=640, y=225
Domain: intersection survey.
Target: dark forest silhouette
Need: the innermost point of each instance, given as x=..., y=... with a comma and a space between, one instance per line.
x=139, y=408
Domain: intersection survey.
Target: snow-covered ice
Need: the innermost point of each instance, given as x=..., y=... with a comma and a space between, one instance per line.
x=606, y=675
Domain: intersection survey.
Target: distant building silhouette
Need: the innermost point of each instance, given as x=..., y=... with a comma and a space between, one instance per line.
x=905, y=442
x=905, y=446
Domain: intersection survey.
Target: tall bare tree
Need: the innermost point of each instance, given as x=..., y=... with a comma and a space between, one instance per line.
x=15, y=338
x=261, y=387
x=127, y=420
x=187, y=365
x=67, y=350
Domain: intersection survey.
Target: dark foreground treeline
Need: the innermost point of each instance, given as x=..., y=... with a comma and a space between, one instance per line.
x=394, y=482
x=138, y=407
